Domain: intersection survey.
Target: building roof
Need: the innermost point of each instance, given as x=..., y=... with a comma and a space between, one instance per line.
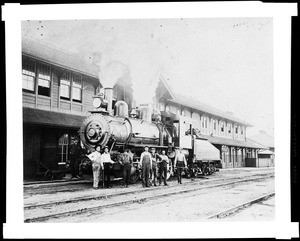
x=230, y=142
x=58, y=57
x=264, y=139
x=268, y=152
x=64, y=59
x=51, y=118
x=197, y=105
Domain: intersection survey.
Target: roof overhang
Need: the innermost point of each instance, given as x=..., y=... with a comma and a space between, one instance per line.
x=51, y=118
x=230, y=142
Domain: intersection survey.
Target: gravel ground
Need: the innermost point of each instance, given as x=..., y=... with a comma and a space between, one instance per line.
x=263, y=211
x=195, y=206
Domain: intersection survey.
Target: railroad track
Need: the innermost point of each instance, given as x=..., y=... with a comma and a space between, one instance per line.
x=86, y=198
x=56, y=210
x=73, y=186
x=239, y=207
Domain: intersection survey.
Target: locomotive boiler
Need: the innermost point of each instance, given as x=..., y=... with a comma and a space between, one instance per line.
x=112, y=127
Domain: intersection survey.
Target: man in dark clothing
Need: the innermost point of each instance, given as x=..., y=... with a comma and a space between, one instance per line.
x=126, y=162
x=163, y=167
x=153, y=172
x=74, y=155
x=180, y=163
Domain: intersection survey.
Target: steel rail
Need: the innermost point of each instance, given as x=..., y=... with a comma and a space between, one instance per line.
x=106, y=196
x=235, y=209
x=131, y=201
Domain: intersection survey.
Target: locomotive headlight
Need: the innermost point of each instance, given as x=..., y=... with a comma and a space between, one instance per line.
x=97, y=102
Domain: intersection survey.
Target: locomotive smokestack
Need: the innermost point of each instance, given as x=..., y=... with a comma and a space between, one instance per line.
x=108, y=92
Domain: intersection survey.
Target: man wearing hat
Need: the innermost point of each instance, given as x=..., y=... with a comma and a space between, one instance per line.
x=125, y=159
x=146, y=164
x=153, y=171
x=74, y=155
x=179, y=164
x=107, y=161
x=163, y=167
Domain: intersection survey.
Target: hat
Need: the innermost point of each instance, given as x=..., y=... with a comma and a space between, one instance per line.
x=146, y=146
x=152, y=148
x=106, y=147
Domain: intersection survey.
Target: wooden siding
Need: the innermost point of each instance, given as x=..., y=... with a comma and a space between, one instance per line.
x=87, y=96
x=64, y=105
x=43, y=101
x=28, y=99
x=55, y=87
x=77, y=107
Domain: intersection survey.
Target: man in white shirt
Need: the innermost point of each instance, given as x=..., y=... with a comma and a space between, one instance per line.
x=146, y=164
x=179, y=164
x=107, y=162
x=97, y=165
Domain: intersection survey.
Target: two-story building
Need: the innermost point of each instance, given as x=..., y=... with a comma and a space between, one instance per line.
x=222, y=129
x=58, y=89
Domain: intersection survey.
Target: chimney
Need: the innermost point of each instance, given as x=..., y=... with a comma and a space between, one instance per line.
x=108, y=92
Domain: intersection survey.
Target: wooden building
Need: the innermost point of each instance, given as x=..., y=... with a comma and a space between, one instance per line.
x=222, y=129
x=58, y=89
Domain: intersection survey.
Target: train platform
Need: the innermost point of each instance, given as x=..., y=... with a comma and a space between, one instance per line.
x=87, y=178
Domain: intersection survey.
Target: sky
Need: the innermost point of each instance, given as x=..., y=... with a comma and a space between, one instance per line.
x=224, y=62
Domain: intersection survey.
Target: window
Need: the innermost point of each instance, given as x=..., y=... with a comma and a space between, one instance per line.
x=222, y=127
x=28, y=74
x=229, y=129
x=205, y=122
x=215, y=125
x=242, y=131
x=187, y=129
x=63, y=144
x=236, y=129
x=77, y=88
x=44, y=79
x=65, y=86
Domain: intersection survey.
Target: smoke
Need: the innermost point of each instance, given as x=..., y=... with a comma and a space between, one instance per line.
x=135, y=48
x=112, y=72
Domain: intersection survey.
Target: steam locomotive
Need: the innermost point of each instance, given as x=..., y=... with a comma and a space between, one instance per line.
x=113, y=127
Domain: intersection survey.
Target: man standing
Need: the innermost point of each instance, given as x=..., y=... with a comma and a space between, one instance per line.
x=180, y=163
x=146, y=164
x=153, y=170
x=74, y=155
x=163, y=167
x=97, y=165
x=126, y=162
x=107, y=162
